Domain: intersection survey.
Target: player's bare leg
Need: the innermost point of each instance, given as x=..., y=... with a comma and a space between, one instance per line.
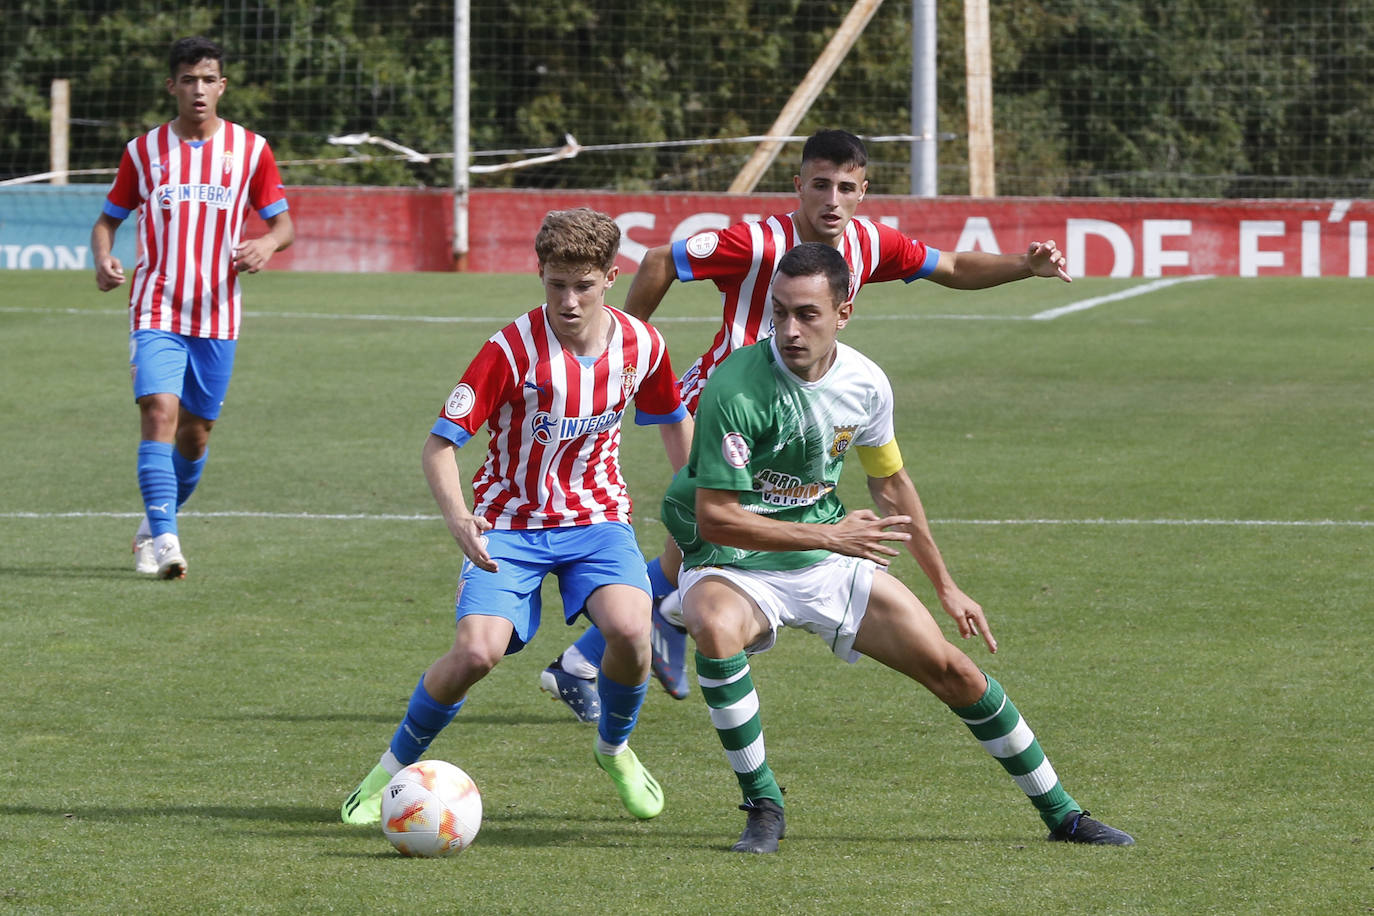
x=479, y=644
x=571, y=677
x=899, y=632
x=621, y=613
x=157, y=550
x=724, y=621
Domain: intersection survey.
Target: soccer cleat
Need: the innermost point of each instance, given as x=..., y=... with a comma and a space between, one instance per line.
x=364, y=806
x=577, y=693
x=1079, y=828
x=669, y=657
x=145, y=559
x=765, y=827
x=638, y=790
x=170, y=563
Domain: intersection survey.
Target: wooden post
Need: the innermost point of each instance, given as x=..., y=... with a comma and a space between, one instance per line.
x=60, y=130
x=982, y=181
x=805, y=94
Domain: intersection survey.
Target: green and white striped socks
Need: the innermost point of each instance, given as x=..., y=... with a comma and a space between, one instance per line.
x=998, y=726
x=729, y=693
x=994, y=720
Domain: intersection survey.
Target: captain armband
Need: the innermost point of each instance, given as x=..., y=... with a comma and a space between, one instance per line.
x=880, y=461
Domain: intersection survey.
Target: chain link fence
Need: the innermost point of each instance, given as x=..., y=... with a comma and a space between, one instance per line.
x=1209, y=98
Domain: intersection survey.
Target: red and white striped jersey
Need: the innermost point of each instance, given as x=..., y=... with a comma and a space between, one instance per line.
x=553, y=460
x=192, y=199
x=742, y=259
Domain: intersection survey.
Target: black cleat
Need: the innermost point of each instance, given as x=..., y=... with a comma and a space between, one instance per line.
x=765, y=827
x=1079, y=828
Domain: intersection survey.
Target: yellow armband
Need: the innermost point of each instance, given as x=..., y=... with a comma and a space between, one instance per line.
x=882, y=461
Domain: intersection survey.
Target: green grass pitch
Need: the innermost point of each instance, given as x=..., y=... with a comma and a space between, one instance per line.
x=1165, y=503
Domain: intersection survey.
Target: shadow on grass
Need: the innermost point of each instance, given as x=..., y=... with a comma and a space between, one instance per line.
x=509, y=830
x=535, y=830
x=271, y=813
x=522, y=830
x=394, y=718
x=49, y=571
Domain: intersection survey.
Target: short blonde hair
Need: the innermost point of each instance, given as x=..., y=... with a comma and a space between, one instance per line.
x=580, y=237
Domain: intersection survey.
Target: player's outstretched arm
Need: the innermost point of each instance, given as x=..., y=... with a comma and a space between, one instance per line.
x=446, y=483
x=655, y=274
x=722, y=520
x=982, y=269
x=896, y=494
x=109, y=272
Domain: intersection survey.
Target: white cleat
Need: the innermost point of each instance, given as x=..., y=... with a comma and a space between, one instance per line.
x=145, y=559
x=170, y=563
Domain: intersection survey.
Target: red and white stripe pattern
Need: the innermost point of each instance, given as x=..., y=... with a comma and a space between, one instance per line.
x=553, y=459
x=742, y=259
x=192, y=202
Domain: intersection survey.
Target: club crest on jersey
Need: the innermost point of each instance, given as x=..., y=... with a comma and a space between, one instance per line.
x=844, y=437
x=628, y=375
x=227, y=162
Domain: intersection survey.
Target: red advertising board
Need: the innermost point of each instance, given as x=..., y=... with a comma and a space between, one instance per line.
x=391, y=229
x=366, y=230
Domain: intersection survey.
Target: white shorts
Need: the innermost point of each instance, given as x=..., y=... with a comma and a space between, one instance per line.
x=828, y=598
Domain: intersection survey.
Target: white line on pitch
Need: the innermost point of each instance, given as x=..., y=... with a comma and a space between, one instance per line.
x=1178, y=522
x=421, y=517
x=1144, y=288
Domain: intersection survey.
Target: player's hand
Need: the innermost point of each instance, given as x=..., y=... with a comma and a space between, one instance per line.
x=253, y=255
x=468, y=532
x=109, y=273
x=968, y=614
x=1046, y=260
x=862, y=534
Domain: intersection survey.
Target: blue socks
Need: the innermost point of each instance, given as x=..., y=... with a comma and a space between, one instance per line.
x=157, y=481
x=188, y=474
x=592, y=645
x=619, y=709
x=166, y=480
x=657, y=581
x=424, y=719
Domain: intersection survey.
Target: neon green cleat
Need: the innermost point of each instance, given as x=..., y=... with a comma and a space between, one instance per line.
x=364, y=806
x=639, y=791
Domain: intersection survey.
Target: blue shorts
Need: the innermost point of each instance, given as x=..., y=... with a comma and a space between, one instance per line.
x=195, y=369
x=583, y=558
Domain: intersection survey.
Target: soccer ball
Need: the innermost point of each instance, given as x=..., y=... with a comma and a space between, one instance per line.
x=431, y=809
